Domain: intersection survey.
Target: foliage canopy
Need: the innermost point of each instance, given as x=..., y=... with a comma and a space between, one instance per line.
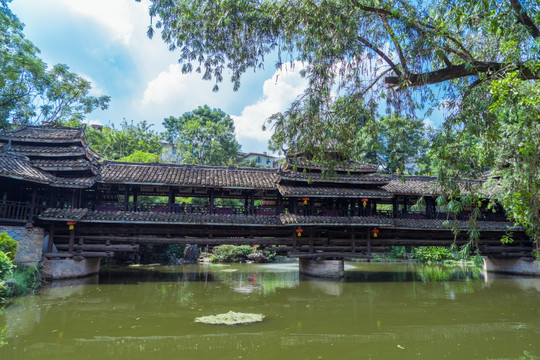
x=203, y=136
x=30, y=92
x=478, y=60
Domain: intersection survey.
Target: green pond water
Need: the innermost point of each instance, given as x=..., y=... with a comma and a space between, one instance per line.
x=378, y=311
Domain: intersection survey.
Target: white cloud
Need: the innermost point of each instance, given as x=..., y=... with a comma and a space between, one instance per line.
x=115, y=15
x=278, y=93
x=96, y=90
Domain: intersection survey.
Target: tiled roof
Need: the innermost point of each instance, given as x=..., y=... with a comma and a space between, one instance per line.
x=424, y=224
x=188, y=175
x=77, y=182
x=19, y=167
x=43, y=134
x=372, y=179
x=62, y=165
x=63, y=214
x=291, y=219
x=158, y=218
x=85, y=215
x=412, y=185
x=423, y=185
x=344, y=166
x=331, y=191
x=47, y=151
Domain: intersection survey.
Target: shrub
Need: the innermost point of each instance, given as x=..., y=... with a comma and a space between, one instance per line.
x=433, y=253
x=23, y=280
x=176, y=250
x=8, y=245
x=231, y=253
x=6, y=266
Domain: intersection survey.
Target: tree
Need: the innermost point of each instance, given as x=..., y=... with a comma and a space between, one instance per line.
x=403, y=55
x=29, y=92
x=393, y=142
x=129, y=139
x=204, y=136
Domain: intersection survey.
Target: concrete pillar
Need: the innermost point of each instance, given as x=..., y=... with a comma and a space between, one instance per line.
x=512, y=266
x=333, y=269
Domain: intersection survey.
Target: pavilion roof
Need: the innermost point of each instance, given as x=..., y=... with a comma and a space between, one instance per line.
x=300, y=220
x=41, y=134
x=188, y=175
x=88, y=216
x=337, y=178
x=85, y=215
x=19, y=167
x=425, y=186
x=331, y=191
x=352, y=167
x=435, y=224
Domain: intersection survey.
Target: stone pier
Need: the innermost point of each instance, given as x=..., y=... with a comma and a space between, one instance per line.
x=69, y=268
x=512, y=266
x=333, y=269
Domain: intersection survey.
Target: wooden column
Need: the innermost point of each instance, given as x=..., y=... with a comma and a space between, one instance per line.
x=368, y=242
x=292, y=205
x=126, y=198
x=73, y=199
x=353, y=242
x=51, y=239
x=170, y=202
x=430, y=207
x=32, y=206
x=374, y=207
x=135, y=194
x=405, y=201
x=212, y=200
x=71, y=240
x=279, y=204
x=246, y=204
x=294, y=236
x=310, y=241
x=252, y=203
x=395, y=206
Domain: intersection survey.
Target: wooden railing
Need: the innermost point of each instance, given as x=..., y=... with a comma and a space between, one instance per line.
x=276, y=210
x=14, y=211
x=184, y=208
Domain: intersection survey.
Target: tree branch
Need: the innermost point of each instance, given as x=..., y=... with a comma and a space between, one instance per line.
x=382, y=55
x=524, y=18
x=396, y=44
x=459, y=71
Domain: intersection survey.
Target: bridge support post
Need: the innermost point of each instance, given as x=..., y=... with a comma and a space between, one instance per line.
x=69, y=268
x=512, y=266
x=333, y=269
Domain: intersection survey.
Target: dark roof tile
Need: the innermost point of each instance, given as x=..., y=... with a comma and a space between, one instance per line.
x=43, y=134
x=331, y=191
x=188, y=175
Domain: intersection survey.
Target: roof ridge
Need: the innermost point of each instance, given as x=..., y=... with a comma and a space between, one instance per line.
x=191, y=166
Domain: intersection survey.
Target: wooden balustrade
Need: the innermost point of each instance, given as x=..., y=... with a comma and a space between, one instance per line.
x=12, y=211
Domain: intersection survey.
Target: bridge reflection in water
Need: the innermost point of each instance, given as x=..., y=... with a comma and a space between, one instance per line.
x=382, y=311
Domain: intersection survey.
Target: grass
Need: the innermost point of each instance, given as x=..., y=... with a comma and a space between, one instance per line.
x=230, y=318
x=23, y=280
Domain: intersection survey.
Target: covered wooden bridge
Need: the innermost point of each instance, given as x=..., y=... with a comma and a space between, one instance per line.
x=51, y=178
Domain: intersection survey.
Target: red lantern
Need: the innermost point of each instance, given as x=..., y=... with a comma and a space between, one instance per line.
x=364, y=201
x=299, y=232
x=375, y=232
x=71, y=224
x=305, y=200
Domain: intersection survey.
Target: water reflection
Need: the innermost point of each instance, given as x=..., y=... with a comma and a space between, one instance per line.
x=148, y=312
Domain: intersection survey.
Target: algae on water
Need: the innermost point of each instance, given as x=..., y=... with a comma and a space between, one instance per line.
x=230, y=318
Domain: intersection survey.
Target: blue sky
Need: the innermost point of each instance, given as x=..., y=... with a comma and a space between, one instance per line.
x=105, y=41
